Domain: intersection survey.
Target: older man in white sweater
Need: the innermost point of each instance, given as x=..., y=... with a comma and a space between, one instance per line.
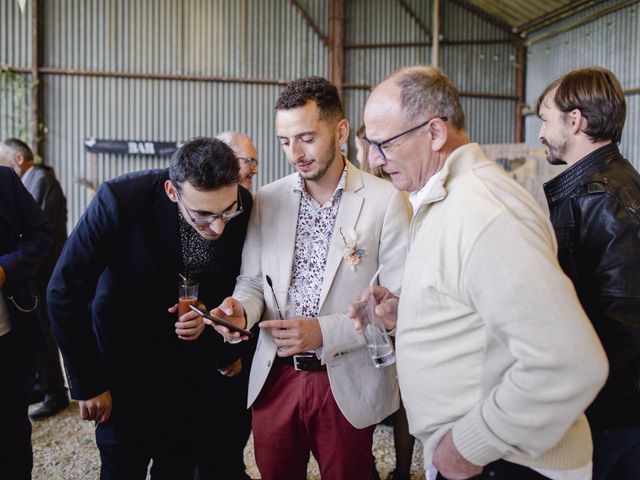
x=496, y=358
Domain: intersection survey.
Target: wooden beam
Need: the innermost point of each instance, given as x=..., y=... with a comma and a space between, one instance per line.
x=520, y=84
x=428, y=43
x=309, y=21
x=149, y=76
x=478, y=12
x=555, y=15
x=336, y=43
x=36, y=91
x=580, y=22
x=415, y=17
x=435, y=48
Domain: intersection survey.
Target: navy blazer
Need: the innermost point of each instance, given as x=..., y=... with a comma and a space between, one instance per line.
x=110, y=291
x=25, y=238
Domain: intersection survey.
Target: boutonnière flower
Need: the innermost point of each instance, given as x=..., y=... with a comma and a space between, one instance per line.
x=352, y=253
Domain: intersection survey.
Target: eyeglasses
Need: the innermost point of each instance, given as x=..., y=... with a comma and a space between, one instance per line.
x=203, y=221
x=252, y=162
x=378, y=146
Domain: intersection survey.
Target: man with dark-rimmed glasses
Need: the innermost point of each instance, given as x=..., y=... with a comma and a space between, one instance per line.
x=140, y=372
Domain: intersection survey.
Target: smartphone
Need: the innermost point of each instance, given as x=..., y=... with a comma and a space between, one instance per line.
x=221, y=321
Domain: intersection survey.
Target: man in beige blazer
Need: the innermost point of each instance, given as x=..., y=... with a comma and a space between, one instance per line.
x=322, y=232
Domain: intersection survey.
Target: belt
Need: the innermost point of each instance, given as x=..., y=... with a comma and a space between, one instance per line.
x=306, y=363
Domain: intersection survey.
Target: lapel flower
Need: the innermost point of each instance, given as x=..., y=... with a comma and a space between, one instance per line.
x=352, y=253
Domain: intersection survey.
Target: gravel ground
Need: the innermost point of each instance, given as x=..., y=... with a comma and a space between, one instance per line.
x=64, y=449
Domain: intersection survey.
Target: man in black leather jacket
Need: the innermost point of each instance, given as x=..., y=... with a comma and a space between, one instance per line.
x=595, y=211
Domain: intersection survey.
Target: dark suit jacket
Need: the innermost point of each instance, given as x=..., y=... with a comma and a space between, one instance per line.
x=45, y=189
x=25, y=237
x=108, y=300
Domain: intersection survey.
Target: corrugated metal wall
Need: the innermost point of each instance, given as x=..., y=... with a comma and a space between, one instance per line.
x=15, y=50
x=248, y=39
x=244, y=39
x=482, y=68
x=611, y=41
x=15, y=35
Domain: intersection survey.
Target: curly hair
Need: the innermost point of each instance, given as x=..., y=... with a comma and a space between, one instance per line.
x=298, y=92
x=206, y=163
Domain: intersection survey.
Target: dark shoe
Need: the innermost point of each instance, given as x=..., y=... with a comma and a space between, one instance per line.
x=398, y=476
x=36, y=396
x=49, y=409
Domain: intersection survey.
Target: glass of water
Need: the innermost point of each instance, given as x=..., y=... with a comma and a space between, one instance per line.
x=376, y=336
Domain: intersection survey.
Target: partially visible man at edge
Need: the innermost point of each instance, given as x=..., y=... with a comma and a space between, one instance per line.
x=496, y=358
x=25, y=239
x=44, y=187
x=595, y=211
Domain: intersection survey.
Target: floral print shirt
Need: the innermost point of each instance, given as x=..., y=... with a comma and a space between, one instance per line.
x=313, y=238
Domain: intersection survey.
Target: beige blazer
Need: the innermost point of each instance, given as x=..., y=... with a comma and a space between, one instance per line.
x=380, y=216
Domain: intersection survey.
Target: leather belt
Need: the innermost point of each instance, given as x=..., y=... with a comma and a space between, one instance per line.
x=305, y=363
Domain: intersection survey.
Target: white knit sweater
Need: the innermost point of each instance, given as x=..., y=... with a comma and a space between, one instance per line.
x=492, y=341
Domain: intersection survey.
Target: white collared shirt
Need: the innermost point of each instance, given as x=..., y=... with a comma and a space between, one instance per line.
x=418, y=197
x=25, y=176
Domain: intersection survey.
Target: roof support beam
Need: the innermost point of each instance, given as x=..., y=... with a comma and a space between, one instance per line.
x=309, y=21
x=336, y=43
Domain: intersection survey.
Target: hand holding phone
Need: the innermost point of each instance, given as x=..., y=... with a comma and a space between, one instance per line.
x=220, y=321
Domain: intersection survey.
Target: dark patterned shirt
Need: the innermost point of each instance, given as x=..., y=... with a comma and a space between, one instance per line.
x=313, y=238
x=197, y=252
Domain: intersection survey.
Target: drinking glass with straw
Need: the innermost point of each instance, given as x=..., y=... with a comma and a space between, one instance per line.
x=376, y=336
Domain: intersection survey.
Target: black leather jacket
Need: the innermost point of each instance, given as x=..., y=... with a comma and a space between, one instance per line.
x=595, y=211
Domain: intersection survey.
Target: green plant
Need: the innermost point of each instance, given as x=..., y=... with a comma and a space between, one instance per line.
x=15, y=97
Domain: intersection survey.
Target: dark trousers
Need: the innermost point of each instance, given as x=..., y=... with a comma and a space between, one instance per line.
x=17, y=373
x=129, y=458
x=227, y=423
x=296, y=413
x=616, y=454
x=131, y=462
x=50, y=379
x=503, y=470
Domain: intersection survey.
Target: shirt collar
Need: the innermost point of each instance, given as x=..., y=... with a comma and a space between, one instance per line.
x=25, y=176
x=299, y=185
x=419, y=197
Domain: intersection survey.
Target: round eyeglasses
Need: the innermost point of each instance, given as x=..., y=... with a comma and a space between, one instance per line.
x=203, y=221
x=252, y=162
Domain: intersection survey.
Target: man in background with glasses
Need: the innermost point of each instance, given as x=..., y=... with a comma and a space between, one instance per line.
x=496, y=358
x=246, y=153
x=140, y=372
x=233, y=380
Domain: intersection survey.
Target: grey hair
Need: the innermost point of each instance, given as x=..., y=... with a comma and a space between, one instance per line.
x=231, y=138
x=426, y=92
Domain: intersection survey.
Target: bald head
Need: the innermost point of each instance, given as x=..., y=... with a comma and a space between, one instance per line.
x=426, y=92
x=246, y=152
x=413, y=121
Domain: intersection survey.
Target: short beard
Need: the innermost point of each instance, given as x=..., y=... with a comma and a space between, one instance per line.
x=332, y=158
x=554, y=154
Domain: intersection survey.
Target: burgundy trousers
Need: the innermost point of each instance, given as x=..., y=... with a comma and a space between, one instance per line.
x=295, y=414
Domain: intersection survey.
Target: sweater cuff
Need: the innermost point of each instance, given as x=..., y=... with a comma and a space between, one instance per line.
x=474, y=440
